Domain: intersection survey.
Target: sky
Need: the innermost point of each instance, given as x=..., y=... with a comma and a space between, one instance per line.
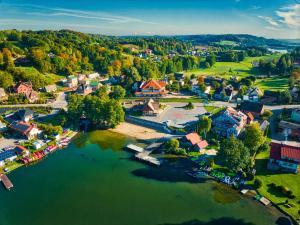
x=268, y=18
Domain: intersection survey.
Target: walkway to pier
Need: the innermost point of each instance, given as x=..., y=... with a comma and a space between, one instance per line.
x=6, y=182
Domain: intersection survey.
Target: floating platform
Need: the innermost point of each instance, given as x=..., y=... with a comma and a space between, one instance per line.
x=134, y=148
x=6, y=182
x=146, y=158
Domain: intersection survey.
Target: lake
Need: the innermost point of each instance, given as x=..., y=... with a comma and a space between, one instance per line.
x=94, y=182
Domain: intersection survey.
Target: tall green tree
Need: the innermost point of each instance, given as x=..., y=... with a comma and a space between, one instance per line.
x=204, y=125
x=254, y=137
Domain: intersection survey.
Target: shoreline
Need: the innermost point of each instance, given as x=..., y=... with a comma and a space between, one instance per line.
x=139, y=132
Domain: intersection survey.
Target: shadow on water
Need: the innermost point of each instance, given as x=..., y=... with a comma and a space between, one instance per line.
x=229, y=221
x=224, y=194
x=220, y=221
x=168, y=172
x=106, y=140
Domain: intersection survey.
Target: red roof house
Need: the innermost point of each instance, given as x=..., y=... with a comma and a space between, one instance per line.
x=151, y=88
x=284, y=157
x=23, y=87
x=195, y=141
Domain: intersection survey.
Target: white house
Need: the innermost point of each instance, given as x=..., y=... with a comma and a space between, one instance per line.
x=37, y=144
x=93, y=76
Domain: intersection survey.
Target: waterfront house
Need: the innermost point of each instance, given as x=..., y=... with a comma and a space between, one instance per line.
x=193, y=142
x=151, y=88
x=229, y=122
x=37, y=144
x=295, y=116
x=26, y=130
x=7, y=156
x=255, y=108
x=284, y=157
x=3, y=95
x=23, y=87
x=50, y=88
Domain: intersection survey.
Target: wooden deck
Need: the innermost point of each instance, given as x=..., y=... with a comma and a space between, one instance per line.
x=6, y=182
x=144, y=156
x=134, y=148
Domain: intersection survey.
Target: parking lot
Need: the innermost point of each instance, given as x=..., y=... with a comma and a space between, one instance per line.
x=176, y=113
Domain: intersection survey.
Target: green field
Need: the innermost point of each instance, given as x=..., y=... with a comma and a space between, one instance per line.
x=243, y=69
x=292, y=181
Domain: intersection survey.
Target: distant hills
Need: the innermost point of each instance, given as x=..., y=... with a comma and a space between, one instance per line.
x=240, y=39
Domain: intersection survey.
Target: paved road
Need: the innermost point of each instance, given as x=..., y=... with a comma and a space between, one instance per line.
x=59, y=103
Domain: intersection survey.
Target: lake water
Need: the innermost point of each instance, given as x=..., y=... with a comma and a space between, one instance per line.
x=94, y=182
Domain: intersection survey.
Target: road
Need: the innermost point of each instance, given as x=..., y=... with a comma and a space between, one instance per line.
x=59, y=103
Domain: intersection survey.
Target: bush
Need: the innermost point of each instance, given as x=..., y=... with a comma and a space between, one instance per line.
x=250, y=176
x=258, y=183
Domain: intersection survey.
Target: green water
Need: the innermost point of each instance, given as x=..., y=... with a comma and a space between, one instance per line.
x=93, y=182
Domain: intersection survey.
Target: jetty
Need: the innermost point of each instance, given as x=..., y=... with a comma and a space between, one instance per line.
x=144, y=154
x=134, y=148
x=6, y=182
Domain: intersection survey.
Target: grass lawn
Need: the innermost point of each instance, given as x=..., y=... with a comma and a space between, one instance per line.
x=273, y=83
x=292, y=181
x=240, y=69
x=213, y=109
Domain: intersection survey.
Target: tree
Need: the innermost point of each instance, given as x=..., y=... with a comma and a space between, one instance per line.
x=234, y=155
x=8, y=61
x=6, y=79
x=204, y=125
x=243, y=90
x=254, y=137
x=117, y=92
x=171, y=145
x=267, y=114
x=285, y=97
x=189, y=106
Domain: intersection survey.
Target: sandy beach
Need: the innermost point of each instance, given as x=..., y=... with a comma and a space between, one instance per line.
x=138, y=132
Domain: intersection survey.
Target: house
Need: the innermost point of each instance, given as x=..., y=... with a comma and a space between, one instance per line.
x=229, y=122
x=50, y=88
x=255, y=108
x=7, y=156
x=253, y=94
x=21, y=150
x=284, y=157
x=295, y=116
x=95, y=85
x=179, y=76
x=3, y=95
x=224, y=94
x=32, y=96
x=196, y=90
x=151, y=88
x=194, y=142
x=84, y=90
x=72, y=81
x=290, y=129
x=270, y=97
x=93, y=76
x=26, y=130
x=23, y=87
x=151, y=108
x=24, y=115
x=37, y=144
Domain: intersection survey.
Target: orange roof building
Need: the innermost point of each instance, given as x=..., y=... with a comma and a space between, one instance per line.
x=151, y=88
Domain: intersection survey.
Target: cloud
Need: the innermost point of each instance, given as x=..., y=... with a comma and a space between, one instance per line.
x=290, y=15
x=38, y=10
x=255, y=7
x=272, y=28
x=270, y=21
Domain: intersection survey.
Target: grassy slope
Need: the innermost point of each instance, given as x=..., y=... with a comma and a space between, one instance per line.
x=292, y=181
x=243, y=69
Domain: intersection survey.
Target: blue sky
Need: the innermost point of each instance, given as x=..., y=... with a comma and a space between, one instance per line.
x=269, y=18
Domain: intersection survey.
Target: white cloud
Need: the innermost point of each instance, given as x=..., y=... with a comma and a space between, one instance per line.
x=272, y=28
x=270, y=21
x=290, y=15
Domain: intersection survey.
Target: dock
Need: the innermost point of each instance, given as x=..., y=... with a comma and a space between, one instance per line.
x=134, y=148
x=144, y=156
x=264, y=201
x=6, y=182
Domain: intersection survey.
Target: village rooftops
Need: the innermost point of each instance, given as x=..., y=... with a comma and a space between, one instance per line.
x=21, y=127
x=254, y=107
x=284, y=152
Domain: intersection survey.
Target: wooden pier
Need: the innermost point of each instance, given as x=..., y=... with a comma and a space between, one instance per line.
x=134, y=148
x=6, y=182
x=144, y=156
